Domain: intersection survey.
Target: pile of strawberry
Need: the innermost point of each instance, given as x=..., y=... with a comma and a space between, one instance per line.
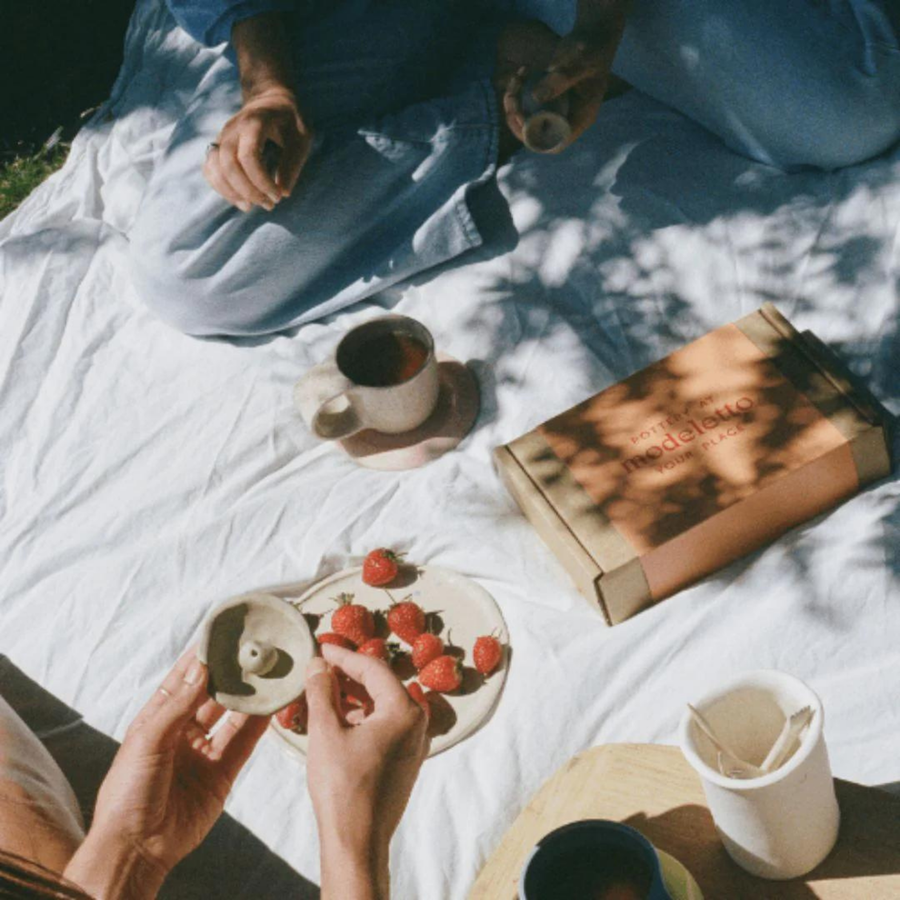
x=439, y=667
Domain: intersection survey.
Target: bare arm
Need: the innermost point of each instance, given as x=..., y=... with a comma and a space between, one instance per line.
x=236, y=166
x=360, y=777
x=264, y=56
x=165, y=789
x=107, y=869
x=350, y=870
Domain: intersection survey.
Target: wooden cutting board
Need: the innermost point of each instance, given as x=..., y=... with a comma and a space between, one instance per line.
x=653, y=789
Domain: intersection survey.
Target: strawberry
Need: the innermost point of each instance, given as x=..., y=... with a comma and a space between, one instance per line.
x=487, y=654
x=425, y=648
x=379, y=649
x=443, y=674
x=329, y=637
x=352, y=620
x=380, y=567
x=406, y=620
x=418, y=695
x=293, y=717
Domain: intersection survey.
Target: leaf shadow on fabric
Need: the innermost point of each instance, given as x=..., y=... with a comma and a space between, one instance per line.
x=623, y=242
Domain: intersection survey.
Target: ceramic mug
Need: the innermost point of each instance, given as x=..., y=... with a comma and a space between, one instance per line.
x=598, y=858
x=782, y=824
x=382, y=375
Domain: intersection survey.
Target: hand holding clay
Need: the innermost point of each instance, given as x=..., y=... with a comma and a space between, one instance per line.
x=580, y=69
x=360, y=777
x=168, y=783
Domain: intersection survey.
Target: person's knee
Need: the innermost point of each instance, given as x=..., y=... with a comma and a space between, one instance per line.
x=855, y=121
x=183, y=280
x=185, y=304
x=840, y=141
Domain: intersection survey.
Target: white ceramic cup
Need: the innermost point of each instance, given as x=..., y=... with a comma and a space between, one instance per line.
x=362, y=386
x=783, y=824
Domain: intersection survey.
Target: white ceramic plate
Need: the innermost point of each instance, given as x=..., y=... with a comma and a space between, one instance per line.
x=466, y=610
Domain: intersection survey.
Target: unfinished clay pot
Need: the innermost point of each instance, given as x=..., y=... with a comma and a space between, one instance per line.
x=257, y=647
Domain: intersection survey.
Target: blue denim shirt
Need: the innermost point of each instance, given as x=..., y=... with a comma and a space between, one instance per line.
x=211, y=21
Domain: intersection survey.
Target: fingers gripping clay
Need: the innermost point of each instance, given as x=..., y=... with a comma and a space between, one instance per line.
x=546, y=126
x=257, y=647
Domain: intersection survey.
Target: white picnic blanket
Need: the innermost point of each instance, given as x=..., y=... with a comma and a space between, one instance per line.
x=147, y=475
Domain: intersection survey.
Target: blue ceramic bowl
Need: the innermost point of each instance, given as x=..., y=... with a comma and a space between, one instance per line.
x=566, y=860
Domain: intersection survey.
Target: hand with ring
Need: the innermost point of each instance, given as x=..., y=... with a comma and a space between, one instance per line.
x=239, y=163
x=167, y=784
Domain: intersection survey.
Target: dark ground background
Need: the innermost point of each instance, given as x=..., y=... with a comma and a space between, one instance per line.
x=58, y=61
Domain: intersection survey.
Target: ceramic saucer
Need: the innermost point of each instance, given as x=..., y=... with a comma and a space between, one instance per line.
x=452, y=419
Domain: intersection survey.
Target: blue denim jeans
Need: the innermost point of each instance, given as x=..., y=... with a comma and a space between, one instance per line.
x=401, y=178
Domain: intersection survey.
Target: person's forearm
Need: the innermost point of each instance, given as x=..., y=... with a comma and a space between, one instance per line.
x=109, y=870
x=264, y=55
x=354, y=871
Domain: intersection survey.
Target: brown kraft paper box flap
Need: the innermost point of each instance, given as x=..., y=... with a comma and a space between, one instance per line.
x=695, y=461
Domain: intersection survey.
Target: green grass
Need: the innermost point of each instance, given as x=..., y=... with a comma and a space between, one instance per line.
x=22, y=174
x=57, y=59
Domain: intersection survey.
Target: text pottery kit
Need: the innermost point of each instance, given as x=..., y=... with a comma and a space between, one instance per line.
x=696, y=460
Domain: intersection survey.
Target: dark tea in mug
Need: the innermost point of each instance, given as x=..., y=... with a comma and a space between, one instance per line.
x=383, y=354
x=614, y=874
x=594, y=859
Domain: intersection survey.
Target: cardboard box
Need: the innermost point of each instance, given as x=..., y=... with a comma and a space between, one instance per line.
x=695, y=461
